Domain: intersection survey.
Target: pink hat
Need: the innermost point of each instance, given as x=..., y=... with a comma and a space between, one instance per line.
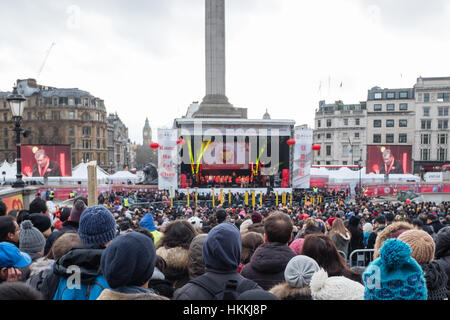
x=331, y=220
x=297, y=245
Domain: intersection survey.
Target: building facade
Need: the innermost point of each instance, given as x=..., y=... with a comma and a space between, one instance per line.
x=340, y=129
x=57, y=117
x=119, y=144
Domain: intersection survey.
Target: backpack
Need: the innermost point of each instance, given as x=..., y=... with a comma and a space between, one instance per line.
x=89, y=291
x=229, y=291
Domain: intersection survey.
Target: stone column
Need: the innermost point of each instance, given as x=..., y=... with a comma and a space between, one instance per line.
x=92, y=183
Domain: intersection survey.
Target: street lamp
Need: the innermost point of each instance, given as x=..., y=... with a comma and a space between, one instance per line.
x=16, y=103
x=360, y=169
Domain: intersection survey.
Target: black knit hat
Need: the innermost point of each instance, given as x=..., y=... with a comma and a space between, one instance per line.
x=40, y=221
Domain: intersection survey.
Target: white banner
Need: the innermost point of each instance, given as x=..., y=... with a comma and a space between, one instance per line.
x=167, y=159
x=302, y=158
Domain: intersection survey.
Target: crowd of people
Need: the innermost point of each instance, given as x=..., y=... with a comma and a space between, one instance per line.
x=121, y=251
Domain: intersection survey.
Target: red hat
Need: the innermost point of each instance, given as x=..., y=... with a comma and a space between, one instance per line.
x=331, y=220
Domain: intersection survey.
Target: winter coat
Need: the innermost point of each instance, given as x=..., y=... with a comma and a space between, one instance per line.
x=256, y=227
x=342, y=242
x=149, y=223
x=436, y=226
x=391, y=231
x=267, y=265
x=177, y=262
x=285, y=292
x=130, y=293
x=373, y=237
x=442, y=252
x=39, y=269
x=436, y=280
x=56, y=286
x=196, y=266
x=68, y=226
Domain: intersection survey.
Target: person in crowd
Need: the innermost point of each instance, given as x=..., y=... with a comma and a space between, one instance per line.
x=434, y=223
x=41, y=222
x=297, y=245
x=423, y=249
x=340, y=236
x=222, y=255
x=267, y=265
x=174, y=249
x=127, y=265
x=322, y=249
x=356, y=236
x=196, y=266
x=250, y=242
x=394, y=274
x=442, y=252
x=325, y=287
x=257, y=225
x=17, y=291
x=221, y=216
x=297, y=275
x=9, y=230
x=13, y=213
x=97, y=228
x=12, y=260
x=257, y=295
x=367, y=231
x=148, y=223
x=38, y=205
x=31, y=240
x=378, y=225
x=3, y=208
x=391, y=231
x=244, y=225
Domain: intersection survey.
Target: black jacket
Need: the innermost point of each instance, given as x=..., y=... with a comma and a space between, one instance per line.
x=68, y=226
x=436, y=280
x=442, y=253
x=267, y=265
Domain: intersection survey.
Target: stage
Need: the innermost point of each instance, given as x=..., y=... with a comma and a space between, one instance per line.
x=235, y=190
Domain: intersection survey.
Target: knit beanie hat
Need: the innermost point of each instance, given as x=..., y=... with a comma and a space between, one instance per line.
x=40, y=221
x=299, y=271
x=331, y=220
x=77, y=210
x=297, y=245
x=31, y=240
x=421, y=244
x=244, y=225
x=395, y=275
x=97, y=226
x=129, y=260
x=335, y=288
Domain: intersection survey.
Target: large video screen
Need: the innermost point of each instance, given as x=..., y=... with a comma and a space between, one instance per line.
x=46, y=161
x=389, y=159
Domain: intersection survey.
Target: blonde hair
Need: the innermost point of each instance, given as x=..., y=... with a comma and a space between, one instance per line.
x=339, y=227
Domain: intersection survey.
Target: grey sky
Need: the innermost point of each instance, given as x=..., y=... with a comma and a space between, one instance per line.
x=145, y=58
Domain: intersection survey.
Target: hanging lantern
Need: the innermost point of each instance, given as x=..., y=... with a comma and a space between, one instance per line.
x=316, y=147
x=154, y=145
x=290, y=142
x=181, y=141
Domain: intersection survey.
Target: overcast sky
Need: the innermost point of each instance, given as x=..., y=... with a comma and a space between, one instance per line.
x=145, y=58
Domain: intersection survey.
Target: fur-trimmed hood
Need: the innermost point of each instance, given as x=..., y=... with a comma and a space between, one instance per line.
x=109, y=294
x=391, y=231
x=285, y=291
x=175, y=258
x=39, y=265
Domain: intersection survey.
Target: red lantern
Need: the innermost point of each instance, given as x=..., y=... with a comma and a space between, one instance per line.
x=181, y=141
x=290, y=142
x=408, y=201
x=154, y=145
x=316, y=147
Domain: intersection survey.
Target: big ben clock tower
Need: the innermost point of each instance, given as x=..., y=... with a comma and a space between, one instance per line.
x=147, y=133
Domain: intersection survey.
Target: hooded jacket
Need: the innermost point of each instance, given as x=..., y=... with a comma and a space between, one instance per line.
x=442, y=252
x=177, y=261
x=221, y=253
x=149, y=223
x=391, y=231
x=267, y=265
x=285, y=292
x=341, y=242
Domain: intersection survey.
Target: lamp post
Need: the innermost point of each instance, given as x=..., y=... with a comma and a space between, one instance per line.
x=360, y=169
x=16, y=103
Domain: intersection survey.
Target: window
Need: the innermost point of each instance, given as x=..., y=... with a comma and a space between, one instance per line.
x=86, y=130
x=357, y=135
x=377, y=123
x=403, y=123
x=426, y=111
x=390, y=107
x=71, y=131
x=98, y=131
x=425, y=138
x=377, y=107
x=403, y=106
x=318, y=136
x=28, y=115
x=345, y=122
x=71, y=102
x=55, y=102
x=71, y=115
x=344, y=135
x=426, y=97
x=72, y=143
x=5, y=117
x=85, y=117
x=5, y=131
x=55, y=131
x=442, y=138
x=403, y=95
x=390, y=95
x=390, y=138
x=86, y=102
x=344, y=163
x=442, y=124
x=328, y=135
x=56, y=115
x=6, y=144
x=425, y=124
x=328, y=122
x=328, y=150
x=390, y=123
x=442, y=111
x=425, y=154
x=63, y=101
x=98, y=143
x=377, y=138
x=442, y=154
x=402, y=138
x=378, y=96
x=318, y=123
x=443, y=97
x=357, y=122
x=41, y=116
x=86, y=144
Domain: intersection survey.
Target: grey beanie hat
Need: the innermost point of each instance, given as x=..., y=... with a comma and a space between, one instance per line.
x=31, y=240
x=299, y=271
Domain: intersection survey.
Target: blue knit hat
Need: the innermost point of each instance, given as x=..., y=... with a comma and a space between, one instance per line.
x=395, y=275
x=129, y=260
x=97, y=226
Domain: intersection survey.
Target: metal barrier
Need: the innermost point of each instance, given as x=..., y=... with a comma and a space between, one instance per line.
x=343, y=254
x=363, y=257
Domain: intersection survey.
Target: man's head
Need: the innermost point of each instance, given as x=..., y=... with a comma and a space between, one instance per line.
x=38, y=206
x=387, y=156
x=41, y=158
x=3, y=208
x=379, y=221
x=278, y=228
x=9, y=230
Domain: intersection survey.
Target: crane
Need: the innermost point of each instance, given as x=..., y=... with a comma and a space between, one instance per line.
x=45, y=59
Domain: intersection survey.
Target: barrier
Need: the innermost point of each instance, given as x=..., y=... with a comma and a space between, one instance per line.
x=343, y=254
x=363, y=257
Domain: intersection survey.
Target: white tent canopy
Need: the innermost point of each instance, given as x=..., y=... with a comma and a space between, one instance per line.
x=124, y=176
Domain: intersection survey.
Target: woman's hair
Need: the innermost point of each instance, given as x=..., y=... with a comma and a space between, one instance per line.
x=18, y=291
x=250, y=242
x=22, y=215
x=63, y=244
x=6, y=226
x=339, y=228
x=321, y=248
x=178, y=233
